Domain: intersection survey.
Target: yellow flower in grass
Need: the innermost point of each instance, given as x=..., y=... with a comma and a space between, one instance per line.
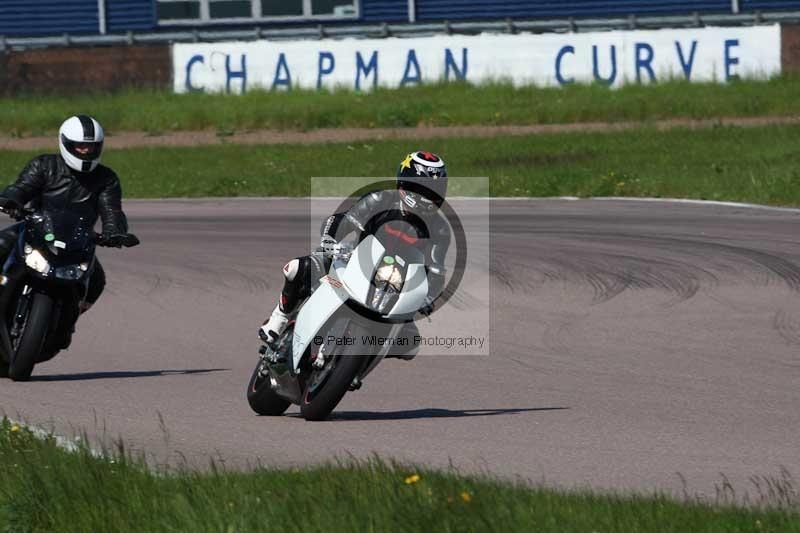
x=15, y=429
x=410, y=480
x=466, y=497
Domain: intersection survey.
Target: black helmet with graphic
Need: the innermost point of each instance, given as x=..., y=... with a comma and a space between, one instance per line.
x=422, y=182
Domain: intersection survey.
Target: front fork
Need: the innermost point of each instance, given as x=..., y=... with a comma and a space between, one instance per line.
x=320, y=359
x=23, y=306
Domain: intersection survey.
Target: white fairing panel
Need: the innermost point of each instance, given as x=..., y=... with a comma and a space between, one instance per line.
x=322, y=304
x=357, y=276
x=415, y=290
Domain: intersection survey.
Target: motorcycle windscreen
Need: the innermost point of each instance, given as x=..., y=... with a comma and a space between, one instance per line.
x=63, y=231
x=360, y=270
x=320, y=307
x=415, y=290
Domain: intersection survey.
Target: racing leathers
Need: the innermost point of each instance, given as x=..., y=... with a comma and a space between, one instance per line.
x=50, y=185
x=381, y=214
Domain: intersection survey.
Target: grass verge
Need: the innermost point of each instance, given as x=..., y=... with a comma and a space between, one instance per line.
x=760, y=165
x=438, y=105
x=44, y=488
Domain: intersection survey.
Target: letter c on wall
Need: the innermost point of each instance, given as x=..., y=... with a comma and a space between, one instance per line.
x=561, y=53
x=189, y=87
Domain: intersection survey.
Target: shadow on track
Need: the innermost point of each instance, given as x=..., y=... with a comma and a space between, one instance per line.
x=433, y=413
x=126, y=374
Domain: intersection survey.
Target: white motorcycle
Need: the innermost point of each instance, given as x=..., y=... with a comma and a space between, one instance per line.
x=351, y=321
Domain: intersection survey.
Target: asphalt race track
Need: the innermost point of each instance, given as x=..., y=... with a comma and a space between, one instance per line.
x=632, y=343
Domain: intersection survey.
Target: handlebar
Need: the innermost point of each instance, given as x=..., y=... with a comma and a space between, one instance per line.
x=119, y=240
x=15, y=211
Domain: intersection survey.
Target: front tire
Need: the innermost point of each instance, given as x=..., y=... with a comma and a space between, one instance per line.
x=262, y=398
x=318, y=404
x=32, y=338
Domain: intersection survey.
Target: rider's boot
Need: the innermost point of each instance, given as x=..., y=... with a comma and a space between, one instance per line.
x=404, y=355
x=65, y=332
x=273, y=328
x=406, y=351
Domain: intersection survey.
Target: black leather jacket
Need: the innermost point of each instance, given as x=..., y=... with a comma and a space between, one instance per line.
x=380, y=212
x=49, y=184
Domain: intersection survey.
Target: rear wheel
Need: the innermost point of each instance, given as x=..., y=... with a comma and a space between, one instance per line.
x=28, y=345
x=327, y=386
x=262, y=399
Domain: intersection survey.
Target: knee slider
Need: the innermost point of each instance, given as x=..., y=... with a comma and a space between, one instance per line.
x=291, y=269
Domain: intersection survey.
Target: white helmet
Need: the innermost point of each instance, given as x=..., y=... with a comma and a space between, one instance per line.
x=80, y=139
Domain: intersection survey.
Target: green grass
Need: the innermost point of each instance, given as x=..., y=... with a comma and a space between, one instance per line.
x=43, y=488
x=441, y=105
x=759, y=165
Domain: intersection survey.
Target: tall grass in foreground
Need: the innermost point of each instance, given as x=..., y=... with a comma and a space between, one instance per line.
x=433, y=105
x=44, y=488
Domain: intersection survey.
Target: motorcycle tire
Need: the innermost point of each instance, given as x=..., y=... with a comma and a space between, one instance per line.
x=262, y=398
x=32, y=338
x=349, y=362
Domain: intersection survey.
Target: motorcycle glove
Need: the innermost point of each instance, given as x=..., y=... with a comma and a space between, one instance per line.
x=329, y=245
x=9, y=206
x=428, y=308
x=110, y=241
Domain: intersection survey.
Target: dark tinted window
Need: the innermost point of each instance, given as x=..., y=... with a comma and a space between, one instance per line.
x=272, y=8
x=179, y=10
x=333, y=7
x=226, y=10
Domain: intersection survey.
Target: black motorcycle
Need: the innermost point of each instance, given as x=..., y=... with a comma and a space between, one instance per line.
x=44, y=281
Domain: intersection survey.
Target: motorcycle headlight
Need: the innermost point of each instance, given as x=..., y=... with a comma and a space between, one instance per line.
x=385, y=294
x=391, y=275
x=72, y=272
x=36, y=261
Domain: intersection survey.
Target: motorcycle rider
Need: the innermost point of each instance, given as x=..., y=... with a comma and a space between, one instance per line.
x=74, y=180
x=408, y=215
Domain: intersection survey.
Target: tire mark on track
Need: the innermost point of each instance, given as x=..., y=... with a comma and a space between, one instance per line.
x=604, y=261
x=462, y=300
x=556, y=336
x=608, y=275
x=787, y=326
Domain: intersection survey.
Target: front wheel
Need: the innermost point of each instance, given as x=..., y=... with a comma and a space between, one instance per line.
x=31, y=339
x=261, y=397
x=327, y=386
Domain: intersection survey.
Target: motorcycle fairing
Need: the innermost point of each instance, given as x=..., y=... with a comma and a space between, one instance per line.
x=358, y=274
x=415, y=290
x=11, y=259
x=316, y=311
x=353, y=281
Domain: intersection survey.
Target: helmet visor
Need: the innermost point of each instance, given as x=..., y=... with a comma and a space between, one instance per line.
x=85, y=151
x=416, y=202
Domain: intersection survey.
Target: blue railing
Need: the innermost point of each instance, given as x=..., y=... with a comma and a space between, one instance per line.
x=38, y=17
x=81, y=17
